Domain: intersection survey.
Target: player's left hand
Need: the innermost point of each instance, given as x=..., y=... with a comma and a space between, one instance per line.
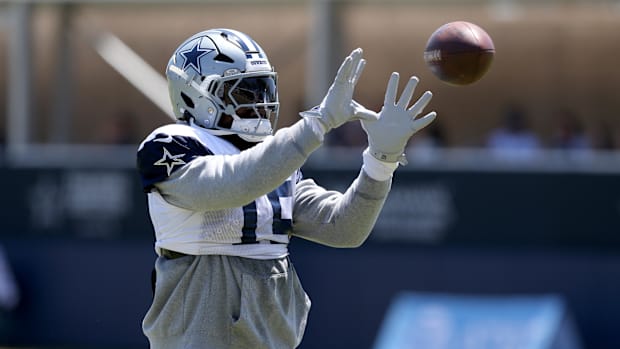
x=390, y=130
x=337, y=107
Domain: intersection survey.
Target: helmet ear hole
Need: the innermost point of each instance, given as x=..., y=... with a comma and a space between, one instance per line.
x=188, y=101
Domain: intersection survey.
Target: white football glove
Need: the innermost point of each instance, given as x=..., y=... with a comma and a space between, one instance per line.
x=337, y=106
x=390, y=130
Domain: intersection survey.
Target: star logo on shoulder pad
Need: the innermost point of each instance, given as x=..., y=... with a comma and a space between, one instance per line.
x=193, y=55
x=170, y=161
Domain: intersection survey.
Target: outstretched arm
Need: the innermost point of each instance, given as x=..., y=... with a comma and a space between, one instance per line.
x=338, y=219
x=346, y=219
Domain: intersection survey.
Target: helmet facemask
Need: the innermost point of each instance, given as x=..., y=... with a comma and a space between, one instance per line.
x=249, y=104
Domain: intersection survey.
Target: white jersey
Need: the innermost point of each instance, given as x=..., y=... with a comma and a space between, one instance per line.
x=259, y=229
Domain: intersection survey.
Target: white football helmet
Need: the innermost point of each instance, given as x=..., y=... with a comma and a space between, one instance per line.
x=221, y=80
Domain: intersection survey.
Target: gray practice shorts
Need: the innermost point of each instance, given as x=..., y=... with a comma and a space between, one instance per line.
x=226, y=302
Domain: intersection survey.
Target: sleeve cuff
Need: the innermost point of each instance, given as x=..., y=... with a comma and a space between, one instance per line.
x=317, y=127
x=376, y=169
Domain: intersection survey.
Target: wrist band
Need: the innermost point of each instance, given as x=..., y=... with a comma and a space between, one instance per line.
x=377, y=169
x=401, y=159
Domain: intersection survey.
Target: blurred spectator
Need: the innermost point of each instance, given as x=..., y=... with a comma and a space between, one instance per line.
x=9, y=295
x=431, y=137
x=513, y=139
x=428, y=141
x=603, y=137
x=350, y=134
x=568, y=132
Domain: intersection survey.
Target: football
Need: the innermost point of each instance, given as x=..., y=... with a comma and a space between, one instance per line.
x=459, y=53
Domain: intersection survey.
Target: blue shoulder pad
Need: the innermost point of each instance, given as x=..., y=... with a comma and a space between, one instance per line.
x=160, y=156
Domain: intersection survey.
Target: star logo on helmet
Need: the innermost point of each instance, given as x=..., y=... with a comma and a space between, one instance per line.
x=193, y=55
x=170, y=161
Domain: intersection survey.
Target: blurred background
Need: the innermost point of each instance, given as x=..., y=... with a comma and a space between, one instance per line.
x=502, y=232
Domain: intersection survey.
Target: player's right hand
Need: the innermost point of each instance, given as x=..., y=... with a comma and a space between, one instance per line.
x=337, y=107
x=389, y=130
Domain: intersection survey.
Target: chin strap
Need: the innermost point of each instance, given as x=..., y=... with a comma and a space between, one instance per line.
x=222, y=132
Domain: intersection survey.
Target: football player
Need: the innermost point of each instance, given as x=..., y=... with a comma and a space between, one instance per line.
x=225, y=194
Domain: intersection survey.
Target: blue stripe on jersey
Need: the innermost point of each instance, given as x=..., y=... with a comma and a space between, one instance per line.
x=250, y=217
x=280, y=225
x=274, y=199
x=286, y=189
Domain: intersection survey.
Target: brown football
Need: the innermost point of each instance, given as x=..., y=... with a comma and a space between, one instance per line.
x=459, y=53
